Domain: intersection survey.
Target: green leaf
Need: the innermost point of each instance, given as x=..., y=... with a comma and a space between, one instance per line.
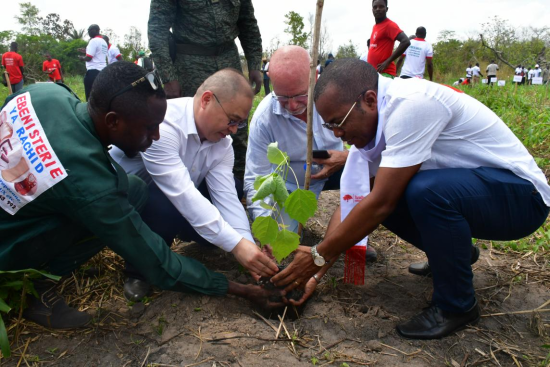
x=265, y=229
x=285, y=244
x=301, y=205
x=4, y=307
x=32, y=271
x=267, y=188
x=4, y=341
x=275, y=155
x=266, y=205
x=260, y=180
x=281, y=193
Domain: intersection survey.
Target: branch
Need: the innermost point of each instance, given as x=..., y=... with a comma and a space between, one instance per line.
x=497, y=53
x=312, y=81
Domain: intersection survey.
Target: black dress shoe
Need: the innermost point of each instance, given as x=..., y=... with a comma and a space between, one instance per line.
x=136, y=289
x=434, y=323
x=51, y=311
x=423, y=269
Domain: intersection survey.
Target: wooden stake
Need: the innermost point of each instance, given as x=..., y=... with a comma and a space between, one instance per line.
x=7, y=76
x=312, y=80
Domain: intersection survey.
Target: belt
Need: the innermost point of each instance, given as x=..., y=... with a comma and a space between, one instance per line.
x=192, y=49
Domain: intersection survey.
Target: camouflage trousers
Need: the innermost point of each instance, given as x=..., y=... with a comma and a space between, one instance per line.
x=192, y=70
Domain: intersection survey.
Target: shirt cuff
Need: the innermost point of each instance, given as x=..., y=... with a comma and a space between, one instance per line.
x=228, y=238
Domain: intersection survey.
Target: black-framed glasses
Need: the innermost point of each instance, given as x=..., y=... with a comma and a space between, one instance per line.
x=333, y=125
x=239, y=124
x=152, y=77
x=300, y=98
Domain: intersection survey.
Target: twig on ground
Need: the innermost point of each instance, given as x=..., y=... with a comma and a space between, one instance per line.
x=196, y=364
x=249, y=337
x=146, y=356
x=516, y=312
x=288, y=335
x=265, y=320
x=23, y=354
x=404, y=353
x=281, y=324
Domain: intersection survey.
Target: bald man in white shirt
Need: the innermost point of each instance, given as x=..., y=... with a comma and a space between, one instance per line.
x=193, y=160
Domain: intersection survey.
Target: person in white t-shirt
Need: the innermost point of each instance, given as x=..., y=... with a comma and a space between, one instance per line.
x=419, y=54
x=476, y=73
x=530, y=74
x=444, y=169
x=192, y=190
x=469, y=74
x=492, y=69
x=537, y=72
x=113, y=52
x=95, y=57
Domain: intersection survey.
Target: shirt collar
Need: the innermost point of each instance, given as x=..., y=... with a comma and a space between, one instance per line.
x=419, y=39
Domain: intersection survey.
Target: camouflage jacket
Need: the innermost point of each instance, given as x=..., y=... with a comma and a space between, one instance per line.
x=202, y=22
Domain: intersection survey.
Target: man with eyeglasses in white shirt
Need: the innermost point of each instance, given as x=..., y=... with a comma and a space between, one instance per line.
x=281, y=117
x=192, y=191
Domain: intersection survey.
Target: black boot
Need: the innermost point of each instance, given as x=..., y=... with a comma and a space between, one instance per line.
x=50, y=309
x=423, y=269
x=434, y=323
x=136, y=289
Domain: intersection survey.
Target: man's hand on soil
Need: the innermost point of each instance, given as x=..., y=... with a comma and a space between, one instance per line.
x=261, y=296
x=254, y=259
x=298, y=272
x=308, y=291
x=331, y=165
x=172, y=89
x=256, y=77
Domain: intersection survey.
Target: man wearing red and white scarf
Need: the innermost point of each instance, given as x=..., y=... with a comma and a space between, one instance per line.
x=443, y=169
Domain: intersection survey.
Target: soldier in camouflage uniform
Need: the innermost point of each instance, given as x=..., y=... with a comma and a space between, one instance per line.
x=204, y=32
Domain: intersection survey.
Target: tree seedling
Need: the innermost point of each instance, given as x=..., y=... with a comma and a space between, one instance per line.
x=300, y=205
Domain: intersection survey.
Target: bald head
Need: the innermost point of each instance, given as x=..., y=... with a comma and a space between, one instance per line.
x=289, y=64
x=226, y=84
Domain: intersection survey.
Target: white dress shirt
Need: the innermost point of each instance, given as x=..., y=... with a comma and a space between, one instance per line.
x=178, y=162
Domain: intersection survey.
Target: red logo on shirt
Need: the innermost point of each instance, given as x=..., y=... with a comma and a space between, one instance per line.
x=347, y=197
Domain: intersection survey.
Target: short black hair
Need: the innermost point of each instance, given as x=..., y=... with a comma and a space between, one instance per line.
x=106, y=39
x=350, y=76
x=421, y=32
x=114, y=78
x=386, y=1
x=13, y=45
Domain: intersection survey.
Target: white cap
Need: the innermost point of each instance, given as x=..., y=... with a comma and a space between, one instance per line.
x=537, y=65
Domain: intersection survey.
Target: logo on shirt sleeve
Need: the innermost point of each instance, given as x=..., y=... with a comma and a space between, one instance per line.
x=28, y=164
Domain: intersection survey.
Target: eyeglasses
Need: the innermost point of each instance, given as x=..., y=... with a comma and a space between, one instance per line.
x=239, y=124
x=300, y=98
x=333, y=125
x=152, y=77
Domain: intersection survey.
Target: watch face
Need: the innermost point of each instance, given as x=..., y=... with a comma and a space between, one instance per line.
x=319, y=261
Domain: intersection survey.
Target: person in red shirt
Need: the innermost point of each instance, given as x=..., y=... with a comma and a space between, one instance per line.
x=384, y=34
x=52, y=67
x=13, y=62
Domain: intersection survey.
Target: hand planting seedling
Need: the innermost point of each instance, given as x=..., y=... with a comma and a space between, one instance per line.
x=300, y=205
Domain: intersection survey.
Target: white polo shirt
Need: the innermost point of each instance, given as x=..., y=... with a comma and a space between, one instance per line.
x=113, y=53
x=468, y=72
x=438, y=127
x=476, y=71
x=97, y=50
x=416, y=55
x=178, y=162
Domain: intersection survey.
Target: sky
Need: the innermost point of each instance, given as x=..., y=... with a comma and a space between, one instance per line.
x=345, y=19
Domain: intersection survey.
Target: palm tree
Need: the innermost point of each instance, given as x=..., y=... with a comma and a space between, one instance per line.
x=75, y=34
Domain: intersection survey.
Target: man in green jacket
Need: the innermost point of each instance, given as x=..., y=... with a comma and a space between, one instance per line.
x=204, y=34
x=63, y=199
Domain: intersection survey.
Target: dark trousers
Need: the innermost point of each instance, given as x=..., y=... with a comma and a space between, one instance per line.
x=489, y=79
x=165, y=220
x=65, y=248
x=442, y=209
x=89, y=81
x=267, y=90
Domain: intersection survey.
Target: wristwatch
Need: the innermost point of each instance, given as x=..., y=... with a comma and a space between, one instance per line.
x=317, y=258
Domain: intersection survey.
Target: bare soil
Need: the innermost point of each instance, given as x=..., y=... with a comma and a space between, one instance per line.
x=341, y=325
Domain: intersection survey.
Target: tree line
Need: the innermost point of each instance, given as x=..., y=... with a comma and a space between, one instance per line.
x=59, y=37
